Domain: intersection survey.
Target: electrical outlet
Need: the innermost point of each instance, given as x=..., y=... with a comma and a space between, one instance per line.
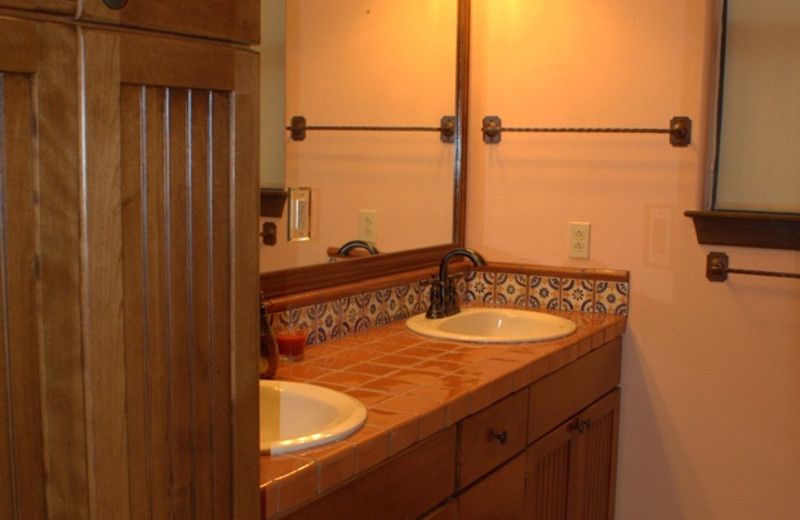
x=368, y=225
x=579, y=235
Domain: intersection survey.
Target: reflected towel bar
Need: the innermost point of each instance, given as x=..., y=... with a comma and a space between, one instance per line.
x=447, y=128
x=680, y=130
x=717, y=269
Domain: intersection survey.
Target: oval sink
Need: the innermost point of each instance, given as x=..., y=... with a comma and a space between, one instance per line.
x=494, y=326
x=296, y=416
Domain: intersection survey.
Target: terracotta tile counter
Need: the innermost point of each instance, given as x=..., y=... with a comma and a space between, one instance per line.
x=413, y=387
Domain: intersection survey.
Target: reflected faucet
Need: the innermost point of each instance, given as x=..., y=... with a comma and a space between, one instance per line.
x=268, y=351
x=444, y=301
x=355, y=244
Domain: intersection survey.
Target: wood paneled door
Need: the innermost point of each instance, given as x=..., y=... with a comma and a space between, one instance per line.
x=128, y=275
x=572, y=469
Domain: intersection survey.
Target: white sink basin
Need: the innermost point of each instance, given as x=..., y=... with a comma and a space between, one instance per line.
x=486, y=325
x=297, y=416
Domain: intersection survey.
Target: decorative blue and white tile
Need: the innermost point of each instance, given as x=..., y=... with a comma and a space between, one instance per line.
x=351, y=313
x=398, y=302
x=480, y=287
x=461, y=288
x=577, y=295
x=329, y=318
x=382, y=295
x=611, y=297
x=418, y=298
x=544, y=293
x=361, y=324
x=511, y=289
x=469, y=279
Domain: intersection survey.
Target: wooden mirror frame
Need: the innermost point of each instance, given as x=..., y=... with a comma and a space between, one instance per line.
x=300, y=279
x=729, y=227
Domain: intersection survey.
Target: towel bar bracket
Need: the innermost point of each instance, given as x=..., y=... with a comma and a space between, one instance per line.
x=717, y=269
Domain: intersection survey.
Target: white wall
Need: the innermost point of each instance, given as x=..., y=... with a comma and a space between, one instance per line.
x=711, y=371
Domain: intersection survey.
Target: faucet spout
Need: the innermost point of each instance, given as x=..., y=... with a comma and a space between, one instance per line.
x=354, y=244
x=444, y=300
x=473, y=255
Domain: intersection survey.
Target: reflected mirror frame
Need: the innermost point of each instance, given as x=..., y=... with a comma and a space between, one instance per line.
x=736, y=228
x=300, y=279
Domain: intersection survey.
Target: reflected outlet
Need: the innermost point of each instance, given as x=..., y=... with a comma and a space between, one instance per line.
x=579, y=235
x=368, y=225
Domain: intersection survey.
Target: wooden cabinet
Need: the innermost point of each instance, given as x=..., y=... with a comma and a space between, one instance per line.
x=129, y=178
x=571, y=470
x=236, y=20
x=405, y=487
x=490, y=467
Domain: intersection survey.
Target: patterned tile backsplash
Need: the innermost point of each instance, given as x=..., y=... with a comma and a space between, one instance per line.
x=520, y=286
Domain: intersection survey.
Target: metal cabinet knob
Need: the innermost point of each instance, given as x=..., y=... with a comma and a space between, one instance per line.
x=502, y=436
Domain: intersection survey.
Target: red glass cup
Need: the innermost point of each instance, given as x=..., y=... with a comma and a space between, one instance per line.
x=291, y=343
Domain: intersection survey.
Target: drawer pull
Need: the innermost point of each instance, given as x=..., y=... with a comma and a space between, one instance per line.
x=580, y=426
x=502, y=436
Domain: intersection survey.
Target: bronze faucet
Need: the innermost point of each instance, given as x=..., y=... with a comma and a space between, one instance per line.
x=444, y=301
x=354, y=244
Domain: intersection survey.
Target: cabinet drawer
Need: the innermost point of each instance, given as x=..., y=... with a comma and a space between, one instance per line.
x=492, y=436
x=555, y=398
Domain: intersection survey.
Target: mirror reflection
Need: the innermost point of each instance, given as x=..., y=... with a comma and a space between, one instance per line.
x=376, y=63
x=757, y=163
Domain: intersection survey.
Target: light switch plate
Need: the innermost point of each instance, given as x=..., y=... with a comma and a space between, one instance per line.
x=299, y=214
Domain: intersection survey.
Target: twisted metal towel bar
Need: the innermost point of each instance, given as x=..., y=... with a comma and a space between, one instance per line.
x=680, y=130
x=717, y=269
x=446, y=128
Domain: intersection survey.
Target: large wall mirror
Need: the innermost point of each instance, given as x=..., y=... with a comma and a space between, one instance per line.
x=754, y=176
x=758, y=164
x=374, y=63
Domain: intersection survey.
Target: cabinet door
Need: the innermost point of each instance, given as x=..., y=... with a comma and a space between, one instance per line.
x=41, y=390
x=597, y=459
x=572, y=470
x=500, y=494
x=233, y=20
x=53, y=6
x=404, y=487
x=171, y=268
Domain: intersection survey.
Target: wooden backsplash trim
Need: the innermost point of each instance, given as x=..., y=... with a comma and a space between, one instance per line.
x=305, y=298
x=609, y=275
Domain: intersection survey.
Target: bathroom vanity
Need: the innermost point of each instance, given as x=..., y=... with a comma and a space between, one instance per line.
x=528, y=430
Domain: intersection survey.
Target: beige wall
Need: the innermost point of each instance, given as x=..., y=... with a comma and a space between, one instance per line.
x=711, y=376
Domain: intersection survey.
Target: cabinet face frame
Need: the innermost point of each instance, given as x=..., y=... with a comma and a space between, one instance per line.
x=42, y=435
x=50, y=6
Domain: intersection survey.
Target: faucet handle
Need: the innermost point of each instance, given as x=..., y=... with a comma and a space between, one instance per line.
x=433, y=280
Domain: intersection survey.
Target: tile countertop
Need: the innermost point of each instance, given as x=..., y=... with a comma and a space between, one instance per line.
x=413, y=386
